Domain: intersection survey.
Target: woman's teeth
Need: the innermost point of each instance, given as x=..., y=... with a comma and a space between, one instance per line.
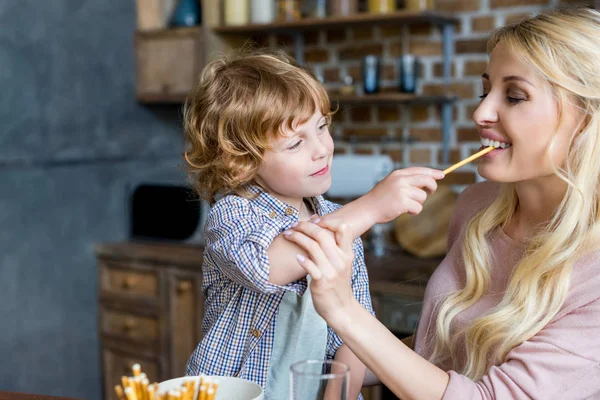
x=489, y=142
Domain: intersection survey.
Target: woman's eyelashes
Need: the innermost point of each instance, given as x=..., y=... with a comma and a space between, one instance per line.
x=511, y=99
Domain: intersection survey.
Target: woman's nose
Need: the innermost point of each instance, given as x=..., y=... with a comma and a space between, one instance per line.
x=486, y=112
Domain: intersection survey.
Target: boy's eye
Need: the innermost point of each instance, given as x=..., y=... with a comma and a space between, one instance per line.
x=295, y=145
x=322, y=127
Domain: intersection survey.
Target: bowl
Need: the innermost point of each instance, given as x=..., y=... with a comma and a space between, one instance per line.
x=230, y=388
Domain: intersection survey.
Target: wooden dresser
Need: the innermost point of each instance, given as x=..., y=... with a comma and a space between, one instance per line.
x=150, y=309
x=151, y=305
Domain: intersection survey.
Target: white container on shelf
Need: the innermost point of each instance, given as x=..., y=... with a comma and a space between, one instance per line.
x=263, y=11
x=236, y=12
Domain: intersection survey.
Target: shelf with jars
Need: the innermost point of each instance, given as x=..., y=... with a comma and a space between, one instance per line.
x=403, y=17
x=288, y=17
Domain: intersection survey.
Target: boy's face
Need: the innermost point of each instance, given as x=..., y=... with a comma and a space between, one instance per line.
x=299, y=163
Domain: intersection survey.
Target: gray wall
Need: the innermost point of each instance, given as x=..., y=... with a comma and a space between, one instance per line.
x=71, y=137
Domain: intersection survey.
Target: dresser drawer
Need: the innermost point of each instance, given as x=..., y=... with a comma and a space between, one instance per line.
x=130, y=326
x=115, y=278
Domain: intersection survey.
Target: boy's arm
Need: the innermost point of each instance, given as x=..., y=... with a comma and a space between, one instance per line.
x=402, y=191
x=240, y=243
x=357, y=371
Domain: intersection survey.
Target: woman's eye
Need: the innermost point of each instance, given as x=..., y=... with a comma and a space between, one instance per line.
x=322, y=127
x=514, y=100
x=295, y=145
x=483, y=96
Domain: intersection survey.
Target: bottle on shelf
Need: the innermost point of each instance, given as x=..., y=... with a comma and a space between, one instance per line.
x=263, y=11
x=236, y=12
x=381, y=6
x=341, y=8
x=288, y=10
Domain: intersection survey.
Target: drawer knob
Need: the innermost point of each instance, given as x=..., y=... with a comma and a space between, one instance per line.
x=128, y=326
x=184, y=287
x=128, y=282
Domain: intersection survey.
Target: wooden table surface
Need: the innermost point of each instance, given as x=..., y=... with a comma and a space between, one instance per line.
x=25, y=396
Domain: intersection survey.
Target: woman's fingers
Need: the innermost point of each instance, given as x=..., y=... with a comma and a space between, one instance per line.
x=324, y=238
x=344, y=239
x=310, y=267
x=311, y=246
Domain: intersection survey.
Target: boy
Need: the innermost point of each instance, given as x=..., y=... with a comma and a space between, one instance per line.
x=259, y=149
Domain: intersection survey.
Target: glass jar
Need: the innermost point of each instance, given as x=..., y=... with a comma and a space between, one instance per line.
x=419, y=5
x=288, y=10
x=381, y=6
x=263, y=11
x=338, y=8
x=236, y=12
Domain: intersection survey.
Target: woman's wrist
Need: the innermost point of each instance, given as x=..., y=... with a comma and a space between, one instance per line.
x=342, y=319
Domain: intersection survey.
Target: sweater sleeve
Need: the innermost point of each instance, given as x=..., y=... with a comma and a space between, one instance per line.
x=561, y=361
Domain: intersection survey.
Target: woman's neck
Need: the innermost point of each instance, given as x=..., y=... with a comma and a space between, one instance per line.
x=537, y=202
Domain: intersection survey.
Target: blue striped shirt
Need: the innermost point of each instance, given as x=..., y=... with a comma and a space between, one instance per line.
x=241, y=304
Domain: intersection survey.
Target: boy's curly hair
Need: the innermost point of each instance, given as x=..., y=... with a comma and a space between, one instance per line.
x=239, y=104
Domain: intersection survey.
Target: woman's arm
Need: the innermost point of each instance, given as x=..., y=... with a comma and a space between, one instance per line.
x=402, y=370
x=407, y=374
x=563, y=359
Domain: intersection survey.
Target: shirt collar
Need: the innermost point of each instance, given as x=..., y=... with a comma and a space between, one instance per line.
x=273, y=205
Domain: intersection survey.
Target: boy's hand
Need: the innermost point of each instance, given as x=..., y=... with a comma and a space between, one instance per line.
x=402, y=191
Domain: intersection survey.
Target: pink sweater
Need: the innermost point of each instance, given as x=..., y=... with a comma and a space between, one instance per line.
x=561, y=362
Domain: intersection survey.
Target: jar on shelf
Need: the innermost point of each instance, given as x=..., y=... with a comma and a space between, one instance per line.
x=339, y=8
x=381, y=6
x=263, y=11
x=236, y=12
x=288, y=10
x=419, y=5
x=316, y=8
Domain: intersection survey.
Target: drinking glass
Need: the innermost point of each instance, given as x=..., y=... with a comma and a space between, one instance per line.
x=312, y=379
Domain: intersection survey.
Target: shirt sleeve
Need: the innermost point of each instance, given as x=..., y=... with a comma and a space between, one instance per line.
x=237, y=239
x=360, y=287
x=561, y=361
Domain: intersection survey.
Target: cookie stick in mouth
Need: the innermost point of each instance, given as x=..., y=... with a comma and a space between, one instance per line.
x=468, y=159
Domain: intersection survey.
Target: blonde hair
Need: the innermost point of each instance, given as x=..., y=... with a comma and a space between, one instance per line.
x=562, y=46
x=239, y=104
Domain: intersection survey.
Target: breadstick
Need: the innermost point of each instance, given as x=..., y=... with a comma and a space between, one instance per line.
x=130, y=393
x=137, y=369
x=119, y=392
x=468, y=159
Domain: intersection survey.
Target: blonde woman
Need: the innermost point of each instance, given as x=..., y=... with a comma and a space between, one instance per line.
x=513, y=311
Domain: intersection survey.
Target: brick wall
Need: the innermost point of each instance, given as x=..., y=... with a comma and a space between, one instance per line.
x=334, y=54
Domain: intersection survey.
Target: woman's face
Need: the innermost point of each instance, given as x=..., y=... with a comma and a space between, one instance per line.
x=519, y=113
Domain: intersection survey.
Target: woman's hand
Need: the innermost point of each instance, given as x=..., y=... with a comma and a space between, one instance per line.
x=329, y=264
x=402, y=191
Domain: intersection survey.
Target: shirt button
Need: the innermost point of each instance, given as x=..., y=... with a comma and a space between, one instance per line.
x=289, y=211
x=272, y=214
x=256, y=333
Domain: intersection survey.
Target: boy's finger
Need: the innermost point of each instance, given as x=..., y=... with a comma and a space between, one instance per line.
x=418, y=195
x=413, y=207
x=423, y=182
x=434, y=173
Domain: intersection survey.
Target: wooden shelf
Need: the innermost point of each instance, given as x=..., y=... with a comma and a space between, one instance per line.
x=378, y=98
x=390, y=98
x=308, y=24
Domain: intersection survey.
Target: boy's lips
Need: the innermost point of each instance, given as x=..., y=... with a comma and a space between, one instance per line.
x=321, y=172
